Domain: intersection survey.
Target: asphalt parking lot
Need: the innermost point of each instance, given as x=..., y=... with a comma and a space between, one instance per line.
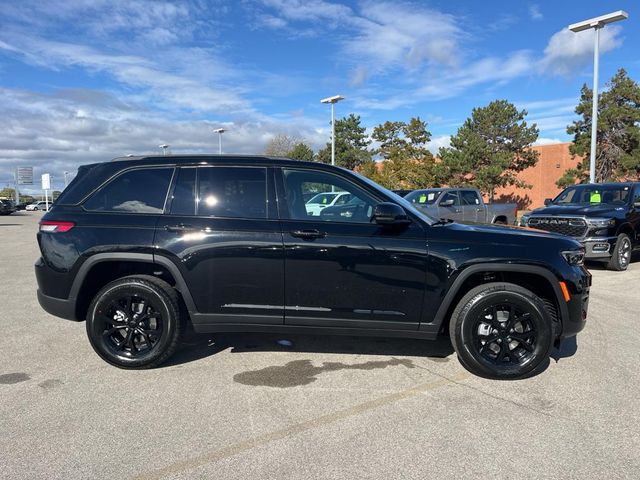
x=245, y=407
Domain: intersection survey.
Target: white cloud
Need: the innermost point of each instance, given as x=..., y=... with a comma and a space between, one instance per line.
x=57, y=132
x=547, y=141
x=535, y=13
x=567, y=52
x=437, y=142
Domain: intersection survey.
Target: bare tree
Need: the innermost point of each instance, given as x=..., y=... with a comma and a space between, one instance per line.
x=281, y=145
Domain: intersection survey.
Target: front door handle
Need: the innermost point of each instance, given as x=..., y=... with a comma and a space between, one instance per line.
x=308, y=234
x=180, y=228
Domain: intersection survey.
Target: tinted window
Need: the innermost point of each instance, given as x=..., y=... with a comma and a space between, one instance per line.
x=136, y=191
x=590, y=194
x=469, y=197
x=355, y=204
x=183, y=200
x=234, y=192
x=423, y=197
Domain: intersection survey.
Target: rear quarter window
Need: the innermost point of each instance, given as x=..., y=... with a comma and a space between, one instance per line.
x=142, y=190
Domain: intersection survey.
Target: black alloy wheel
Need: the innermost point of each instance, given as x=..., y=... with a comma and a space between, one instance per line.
x=133, y=322
x=502, y=331
x=621, y=255
x=505, y=335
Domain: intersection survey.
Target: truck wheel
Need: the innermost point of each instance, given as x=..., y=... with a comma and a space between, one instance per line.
x=134, y=322
x=621, y=255
x=501, y=331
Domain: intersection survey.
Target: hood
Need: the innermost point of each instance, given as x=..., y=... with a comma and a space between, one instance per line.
x=599, y=210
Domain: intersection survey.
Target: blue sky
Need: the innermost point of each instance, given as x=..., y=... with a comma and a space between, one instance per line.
x=84, y=81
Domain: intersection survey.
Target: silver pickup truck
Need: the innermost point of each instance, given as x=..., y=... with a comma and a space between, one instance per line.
x=462, y=205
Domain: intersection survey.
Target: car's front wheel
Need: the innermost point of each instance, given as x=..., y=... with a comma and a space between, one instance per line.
x=134, y=322
x=502, y=331
x=621, y=255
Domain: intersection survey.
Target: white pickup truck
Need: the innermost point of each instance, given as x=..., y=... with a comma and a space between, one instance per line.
x=462, y=205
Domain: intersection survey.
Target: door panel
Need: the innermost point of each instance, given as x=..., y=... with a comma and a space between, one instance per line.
x=472, y=208
x=454, y=212
x=343, y=271
x=234, y=267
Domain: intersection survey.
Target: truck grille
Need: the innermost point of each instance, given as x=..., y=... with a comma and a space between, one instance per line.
x=573, y=227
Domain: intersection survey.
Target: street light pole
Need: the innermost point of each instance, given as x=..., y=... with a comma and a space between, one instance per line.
x=597, y=24
x=219, y=131
x=164, y=147
x=333, y=100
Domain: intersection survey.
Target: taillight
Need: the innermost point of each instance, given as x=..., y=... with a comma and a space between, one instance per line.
x=56, y=227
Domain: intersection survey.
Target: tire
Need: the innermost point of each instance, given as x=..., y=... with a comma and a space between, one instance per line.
x=135, y=334
x=501, y=331
x=621, y=255
x=499, y=222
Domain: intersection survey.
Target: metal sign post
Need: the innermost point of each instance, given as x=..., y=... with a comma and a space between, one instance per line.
x=24, y=176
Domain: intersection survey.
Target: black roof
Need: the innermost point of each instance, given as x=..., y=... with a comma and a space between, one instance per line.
x=210, y=158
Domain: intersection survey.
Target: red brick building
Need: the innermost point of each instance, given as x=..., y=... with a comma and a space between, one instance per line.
x=553, y=160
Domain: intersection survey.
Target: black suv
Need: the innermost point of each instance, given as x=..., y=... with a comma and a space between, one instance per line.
x=142, y=246
x=7, y=207
x=604, y=217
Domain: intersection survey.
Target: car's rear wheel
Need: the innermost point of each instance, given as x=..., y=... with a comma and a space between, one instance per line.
x=621, y=255
x=501, y=330
x=134, y=322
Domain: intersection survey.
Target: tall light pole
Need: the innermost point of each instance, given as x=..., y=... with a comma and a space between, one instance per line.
x=164, y=148
x=333, y=100
x=596, y=23
x=219, y=131
x=66, y=182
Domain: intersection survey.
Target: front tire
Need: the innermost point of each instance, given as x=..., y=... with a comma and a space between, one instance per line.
x=134, y=322
x=501, y=331
x=621, y=255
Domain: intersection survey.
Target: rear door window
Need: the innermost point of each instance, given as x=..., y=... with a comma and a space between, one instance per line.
x=232, y=192
x=143, y=190
x=183, y=199
x=469, y=197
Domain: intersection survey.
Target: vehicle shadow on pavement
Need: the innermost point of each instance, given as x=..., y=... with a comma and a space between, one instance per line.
x=198, y=346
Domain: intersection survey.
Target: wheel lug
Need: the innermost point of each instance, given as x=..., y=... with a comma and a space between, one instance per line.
x=511, y=331
x=499, y=340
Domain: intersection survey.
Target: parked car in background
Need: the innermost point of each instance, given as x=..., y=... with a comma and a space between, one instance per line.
x=326, y=199
x=605, y=218
x=402, y=192
x=7, y=207
x=21, y=206
x=462, y=205
x=141, y=247
x=38, y=206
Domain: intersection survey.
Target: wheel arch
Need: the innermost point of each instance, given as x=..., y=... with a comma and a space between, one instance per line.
x=629, y=230
x=539, y=280
x=102, y=268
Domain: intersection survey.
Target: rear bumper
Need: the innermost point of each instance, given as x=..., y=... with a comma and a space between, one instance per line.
x=59, y=307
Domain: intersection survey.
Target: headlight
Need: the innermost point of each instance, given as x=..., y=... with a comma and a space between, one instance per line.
x=523, y=220
x=574, y=257
x=601, y=222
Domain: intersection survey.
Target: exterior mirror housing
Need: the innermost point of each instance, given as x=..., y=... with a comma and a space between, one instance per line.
x=388, y=213
x=547, y=201
x=446, y=203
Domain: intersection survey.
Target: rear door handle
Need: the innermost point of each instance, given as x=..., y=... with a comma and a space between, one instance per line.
x=308, y=234
x=180, y=228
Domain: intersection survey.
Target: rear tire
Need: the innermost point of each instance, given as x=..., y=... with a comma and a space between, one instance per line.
x=621, y=255
x=134, y=322
x=501, y=331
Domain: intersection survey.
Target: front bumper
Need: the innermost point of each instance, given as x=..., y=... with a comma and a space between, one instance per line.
x=575, y=317
x=598, y=247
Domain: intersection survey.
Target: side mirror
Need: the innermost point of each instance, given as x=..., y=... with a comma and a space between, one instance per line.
x=447, y=203
x=388, y=213
x=547, y=201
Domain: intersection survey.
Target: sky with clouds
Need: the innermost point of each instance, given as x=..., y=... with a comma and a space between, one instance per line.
x=83, y=81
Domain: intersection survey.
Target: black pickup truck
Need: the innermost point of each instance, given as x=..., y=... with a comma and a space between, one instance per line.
x=604, y=217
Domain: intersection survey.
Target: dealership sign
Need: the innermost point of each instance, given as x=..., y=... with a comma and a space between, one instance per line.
x=24, y=175
x=46, y=181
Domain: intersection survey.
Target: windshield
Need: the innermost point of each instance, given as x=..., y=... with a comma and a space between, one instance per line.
x=408, y=206
x=594, y=194
x=323, y=198
x=423, y=197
